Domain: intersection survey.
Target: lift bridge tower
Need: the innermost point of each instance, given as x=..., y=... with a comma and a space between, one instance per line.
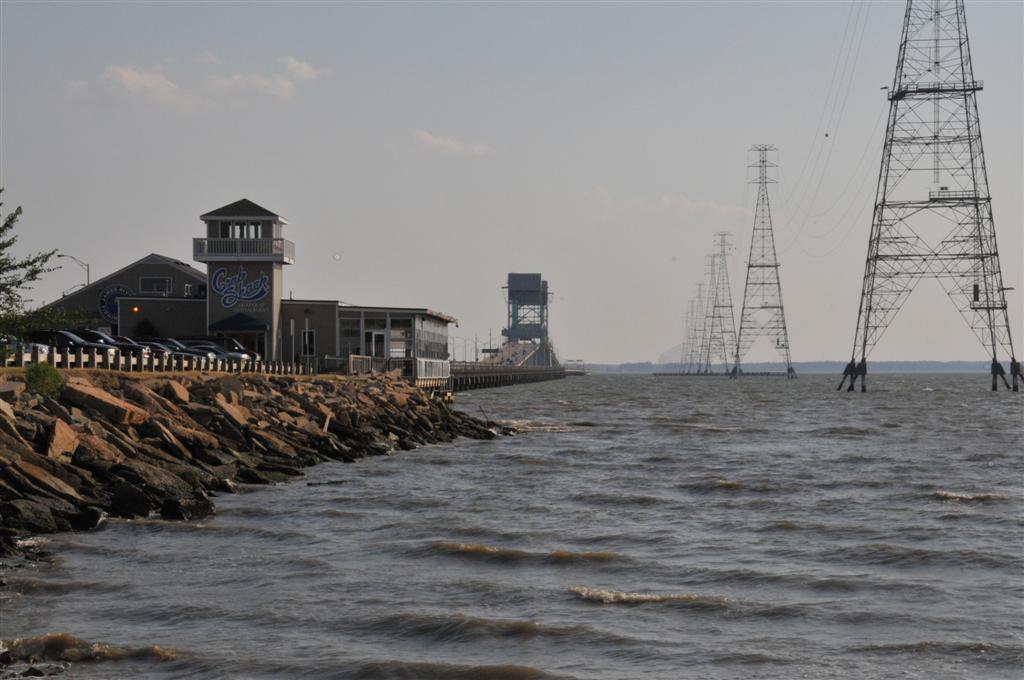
x=527, y=342
x=933, y=211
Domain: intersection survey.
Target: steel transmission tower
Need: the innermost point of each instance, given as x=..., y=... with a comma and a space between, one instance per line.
x=933, y=183
x=695, y=332
x=763, y=314
x=719, y=320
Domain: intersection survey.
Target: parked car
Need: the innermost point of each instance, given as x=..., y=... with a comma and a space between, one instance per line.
x=126, y=345
x=229, y=344
x=12, y=345
x=220, y=352
x=160, y=350
x=176, y=346
x=66, y=339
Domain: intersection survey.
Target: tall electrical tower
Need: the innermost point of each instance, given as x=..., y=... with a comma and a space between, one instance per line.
x=719, y=342
x=933, y=183
x=763, y=314
x=694, y=333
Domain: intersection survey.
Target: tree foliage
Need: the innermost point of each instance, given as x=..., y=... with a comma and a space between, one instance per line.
x=17, y=274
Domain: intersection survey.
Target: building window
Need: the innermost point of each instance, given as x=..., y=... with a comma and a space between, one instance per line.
x=309, y=343
x=154, y=285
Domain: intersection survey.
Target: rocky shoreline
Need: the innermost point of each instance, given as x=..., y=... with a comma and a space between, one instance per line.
x=123, y=445
x=131, y=446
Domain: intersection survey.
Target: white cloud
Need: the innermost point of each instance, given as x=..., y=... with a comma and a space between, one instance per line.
x=300, y=70
x=209, y=92
x=150, y=85
x=449, y=145
x=275, y=85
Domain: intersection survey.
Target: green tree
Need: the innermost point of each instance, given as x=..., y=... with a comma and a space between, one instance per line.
x=17, y=274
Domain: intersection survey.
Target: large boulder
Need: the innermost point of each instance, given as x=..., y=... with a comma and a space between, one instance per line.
x=62, y=442
x=10, y=391
x=195, y=506
x=176, y=392
x=129, y=501
x=236, y=414
x=115, y=410
x=30, y=515
x=46, y=481
x=92, y=449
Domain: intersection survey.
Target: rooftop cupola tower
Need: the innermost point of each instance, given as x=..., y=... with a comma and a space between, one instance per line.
x=244, y=252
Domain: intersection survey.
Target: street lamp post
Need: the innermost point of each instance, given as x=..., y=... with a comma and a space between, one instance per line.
x=83, y=265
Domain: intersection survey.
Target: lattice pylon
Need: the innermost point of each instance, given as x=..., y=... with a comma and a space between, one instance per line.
x=719, y=342
x=933, y=189
x=695, y=332
x=763, y=314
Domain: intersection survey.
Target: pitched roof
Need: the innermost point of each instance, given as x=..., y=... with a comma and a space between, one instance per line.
x=241, y=208
x=186, y=269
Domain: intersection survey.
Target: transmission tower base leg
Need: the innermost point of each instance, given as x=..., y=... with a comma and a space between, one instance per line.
x=849, y=372
x=998, y=373
x=1015, y=373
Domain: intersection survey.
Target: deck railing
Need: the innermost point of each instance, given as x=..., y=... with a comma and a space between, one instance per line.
x=207, y=248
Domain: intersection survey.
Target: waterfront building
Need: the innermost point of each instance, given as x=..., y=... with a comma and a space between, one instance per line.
x=240, y=297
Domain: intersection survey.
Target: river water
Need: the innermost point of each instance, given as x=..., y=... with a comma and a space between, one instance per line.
x=638, y=527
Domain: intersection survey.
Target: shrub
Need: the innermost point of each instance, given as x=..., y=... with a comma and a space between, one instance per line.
x=43, y=379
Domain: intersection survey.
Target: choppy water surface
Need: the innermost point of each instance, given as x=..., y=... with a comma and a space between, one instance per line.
x=639, y=527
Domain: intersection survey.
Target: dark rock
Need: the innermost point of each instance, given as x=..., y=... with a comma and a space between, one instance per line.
x=195, y=506
x=128, y=501
x=30, y=515
x=89, y=518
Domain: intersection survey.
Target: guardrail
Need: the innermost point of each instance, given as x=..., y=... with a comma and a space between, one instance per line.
x=115, y=360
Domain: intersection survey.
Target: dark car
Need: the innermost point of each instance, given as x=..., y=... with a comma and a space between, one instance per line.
x=160, y=350
x=68, y=340
x=126, y=345
x=229, y=344
x=226, y=355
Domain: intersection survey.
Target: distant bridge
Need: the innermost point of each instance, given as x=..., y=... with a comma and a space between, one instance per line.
x=470, y=375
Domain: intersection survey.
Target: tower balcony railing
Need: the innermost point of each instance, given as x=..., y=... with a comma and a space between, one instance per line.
x=254, y=249
x=945, y=194
x=926, y=89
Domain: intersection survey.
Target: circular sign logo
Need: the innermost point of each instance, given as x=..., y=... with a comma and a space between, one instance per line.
x=108, y=301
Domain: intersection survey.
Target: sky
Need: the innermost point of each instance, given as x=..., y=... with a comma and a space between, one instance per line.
x=422, y=151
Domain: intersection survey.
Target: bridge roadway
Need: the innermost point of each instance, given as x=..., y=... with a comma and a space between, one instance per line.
x=470, y=375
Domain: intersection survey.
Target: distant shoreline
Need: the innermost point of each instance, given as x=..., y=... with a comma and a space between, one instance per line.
x=809, y=367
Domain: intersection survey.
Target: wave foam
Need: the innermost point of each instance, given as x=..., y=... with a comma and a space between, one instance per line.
x=968, y=497
x=67, y=647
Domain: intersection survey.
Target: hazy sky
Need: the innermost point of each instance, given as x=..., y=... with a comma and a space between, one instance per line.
x=436, y=147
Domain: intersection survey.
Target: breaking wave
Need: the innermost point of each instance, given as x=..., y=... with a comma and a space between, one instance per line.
x=67, y=647
x=727, y=606
x=967, y=497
